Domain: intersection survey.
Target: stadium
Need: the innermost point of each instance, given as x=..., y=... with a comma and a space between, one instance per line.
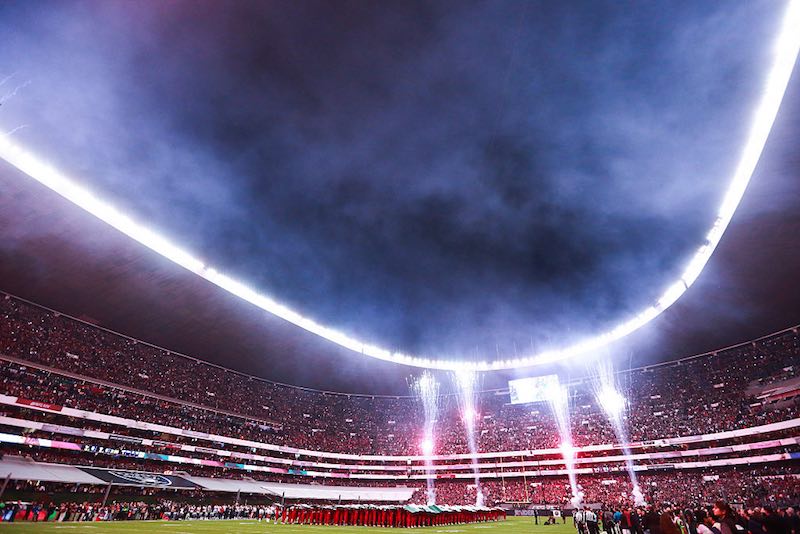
x=246, y=285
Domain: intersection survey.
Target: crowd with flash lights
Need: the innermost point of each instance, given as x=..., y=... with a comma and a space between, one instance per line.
x=93, y=420
x=102, y=430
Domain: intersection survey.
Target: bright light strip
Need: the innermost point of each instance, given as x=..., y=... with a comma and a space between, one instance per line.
x=785, y=54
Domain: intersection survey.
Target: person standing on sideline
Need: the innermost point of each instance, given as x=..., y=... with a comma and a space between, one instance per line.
x=579, y=520
x=608, y=520
x=591, y=521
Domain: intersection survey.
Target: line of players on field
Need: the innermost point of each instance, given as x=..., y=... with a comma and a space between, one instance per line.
x=386, y=516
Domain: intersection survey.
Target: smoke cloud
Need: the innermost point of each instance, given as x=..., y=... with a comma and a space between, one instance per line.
x=468, y=178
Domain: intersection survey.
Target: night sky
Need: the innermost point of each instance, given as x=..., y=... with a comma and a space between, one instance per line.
x=464, y=178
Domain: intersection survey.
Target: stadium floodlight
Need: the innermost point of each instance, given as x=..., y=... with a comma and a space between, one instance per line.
x=785, y=52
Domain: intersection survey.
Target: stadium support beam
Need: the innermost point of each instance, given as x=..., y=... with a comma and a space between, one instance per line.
x=105, y=495
x=5, y=485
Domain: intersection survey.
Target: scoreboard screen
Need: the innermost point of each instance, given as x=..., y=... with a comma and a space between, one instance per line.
x=532, y=389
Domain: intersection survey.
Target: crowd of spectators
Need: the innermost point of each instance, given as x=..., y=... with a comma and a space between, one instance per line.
x=669, y=518
x=776, y=485
x=130, y=511
x=719, y=517
x=55, y=359
x=694, y=396
x=750, y=486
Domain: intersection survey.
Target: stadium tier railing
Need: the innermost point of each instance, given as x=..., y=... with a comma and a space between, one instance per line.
x=296, y=467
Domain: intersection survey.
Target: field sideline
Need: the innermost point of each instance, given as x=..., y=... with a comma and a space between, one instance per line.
x=514, y=525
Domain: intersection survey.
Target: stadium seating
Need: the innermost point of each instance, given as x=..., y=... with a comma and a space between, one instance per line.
x=75, y=393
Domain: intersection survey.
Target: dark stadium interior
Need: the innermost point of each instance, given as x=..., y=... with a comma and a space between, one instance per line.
x=463, y=181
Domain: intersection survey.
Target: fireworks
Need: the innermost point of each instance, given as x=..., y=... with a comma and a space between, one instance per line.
x=558, y=398
x=614, y=405
x=427, y=389
x=466, y=384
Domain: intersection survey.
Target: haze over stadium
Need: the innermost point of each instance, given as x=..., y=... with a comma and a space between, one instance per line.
x=211, y=207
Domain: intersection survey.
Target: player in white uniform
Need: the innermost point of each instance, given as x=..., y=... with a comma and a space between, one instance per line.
x=579, y=519
x=591, y=521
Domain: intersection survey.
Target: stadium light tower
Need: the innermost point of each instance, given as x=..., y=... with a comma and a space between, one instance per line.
x=784, y=56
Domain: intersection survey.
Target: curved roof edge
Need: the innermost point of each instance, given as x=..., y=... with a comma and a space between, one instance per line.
x=785, y=49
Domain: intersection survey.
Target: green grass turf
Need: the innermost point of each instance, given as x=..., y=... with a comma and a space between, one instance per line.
x=513, y=525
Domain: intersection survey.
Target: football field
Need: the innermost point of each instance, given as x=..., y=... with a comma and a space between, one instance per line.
x=513, y=525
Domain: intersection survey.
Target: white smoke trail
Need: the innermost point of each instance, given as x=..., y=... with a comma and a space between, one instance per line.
x=12, y=94
x=614, y=405
x=15, y=130
x=427, y=389
x=558, y=398
x=466, y=382
x=7, y=78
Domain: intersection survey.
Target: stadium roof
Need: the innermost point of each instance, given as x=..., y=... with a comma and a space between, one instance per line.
x=66, y=260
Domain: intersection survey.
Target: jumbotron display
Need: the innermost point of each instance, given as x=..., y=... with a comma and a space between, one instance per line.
x=532, y=389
